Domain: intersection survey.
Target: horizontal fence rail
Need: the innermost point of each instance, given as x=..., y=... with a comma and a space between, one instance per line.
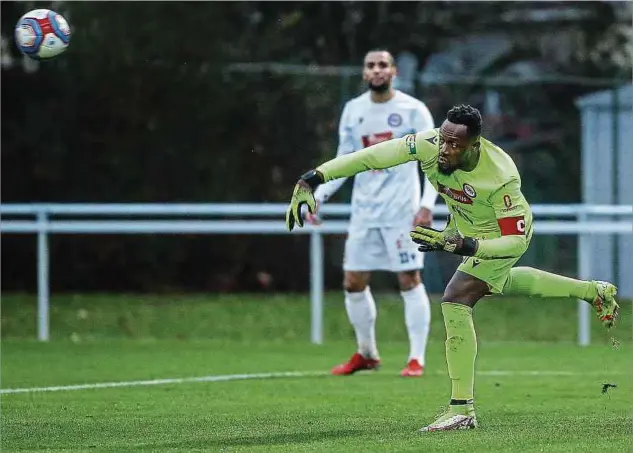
x=260, y=209
x=136, y=218
x=258, y=227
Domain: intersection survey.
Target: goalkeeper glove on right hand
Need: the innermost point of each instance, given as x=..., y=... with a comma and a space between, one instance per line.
x=302, y=194
x=448, y=240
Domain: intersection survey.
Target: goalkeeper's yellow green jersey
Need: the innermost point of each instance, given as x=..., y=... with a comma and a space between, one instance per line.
x=486, y=202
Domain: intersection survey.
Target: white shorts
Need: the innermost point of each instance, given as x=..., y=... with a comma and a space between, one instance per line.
x=383, y=248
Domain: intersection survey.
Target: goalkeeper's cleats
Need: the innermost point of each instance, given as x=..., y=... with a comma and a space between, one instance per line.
x=457, y=417
x=605, y=304
x=356, y=363
x=413, y=369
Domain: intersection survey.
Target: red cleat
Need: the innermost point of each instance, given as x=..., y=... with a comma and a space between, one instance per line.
x=356, y=363
x=413, y=369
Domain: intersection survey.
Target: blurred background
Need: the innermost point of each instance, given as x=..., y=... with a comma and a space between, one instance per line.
x=229, y=102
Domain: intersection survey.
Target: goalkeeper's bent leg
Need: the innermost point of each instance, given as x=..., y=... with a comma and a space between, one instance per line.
x=527, y=281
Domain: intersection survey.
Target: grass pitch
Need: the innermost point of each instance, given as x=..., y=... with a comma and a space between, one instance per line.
x=530, y=396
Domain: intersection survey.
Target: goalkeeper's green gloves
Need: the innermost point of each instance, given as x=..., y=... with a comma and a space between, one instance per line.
x=448, y=240
x=302, y=194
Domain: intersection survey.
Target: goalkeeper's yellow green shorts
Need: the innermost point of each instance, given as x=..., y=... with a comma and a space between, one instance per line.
x=494, y=272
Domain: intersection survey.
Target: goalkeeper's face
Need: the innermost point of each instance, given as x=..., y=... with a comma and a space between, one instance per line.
x=379, y=70
x=454, y=145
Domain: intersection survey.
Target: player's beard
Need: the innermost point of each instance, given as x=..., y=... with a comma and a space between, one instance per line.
x=379, y=88
x=445, y=170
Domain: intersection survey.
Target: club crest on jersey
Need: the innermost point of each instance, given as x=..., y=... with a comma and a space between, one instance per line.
x=394, y=120
x=469, y=190
x=457, y=195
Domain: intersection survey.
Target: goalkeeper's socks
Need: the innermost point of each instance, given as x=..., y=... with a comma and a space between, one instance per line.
x=461, y=349
x=527, y=281
x=463, y=407
x=417, y=316
x=361, y=311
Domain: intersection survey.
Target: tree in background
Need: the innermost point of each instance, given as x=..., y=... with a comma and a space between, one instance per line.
x=141, y=109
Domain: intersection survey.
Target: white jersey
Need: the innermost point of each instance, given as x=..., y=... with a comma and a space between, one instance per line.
x=389, y=197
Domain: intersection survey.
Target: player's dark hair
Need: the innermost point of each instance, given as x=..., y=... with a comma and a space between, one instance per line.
x=467, y=115
x=392, y=60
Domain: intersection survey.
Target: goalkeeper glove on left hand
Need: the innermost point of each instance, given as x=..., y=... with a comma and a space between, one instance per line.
x=448, y=240
x=302, y=194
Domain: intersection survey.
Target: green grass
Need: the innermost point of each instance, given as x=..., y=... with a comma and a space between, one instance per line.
x=371, y=412
x=538, y=395
x=281, y=318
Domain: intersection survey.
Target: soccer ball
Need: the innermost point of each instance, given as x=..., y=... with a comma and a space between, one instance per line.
x=42, y=34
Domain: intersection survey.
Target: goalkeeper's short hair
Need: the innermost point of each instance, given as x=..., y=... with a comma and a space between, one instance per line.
x=467, y=115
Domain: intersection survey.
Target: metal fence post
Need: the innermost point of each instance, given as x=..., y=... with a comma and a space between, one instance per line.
x=584, y=263
x=42, y=277
x=316, y=286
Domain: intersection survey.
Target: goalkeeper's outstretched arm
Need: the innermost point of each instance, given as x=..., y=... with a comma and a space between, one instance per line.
x=376, y=157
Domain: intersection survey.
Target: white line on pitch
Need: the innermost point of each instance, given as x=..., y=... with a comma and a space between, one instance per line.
x=526, y=373
x=217, y=378
x=242, y=377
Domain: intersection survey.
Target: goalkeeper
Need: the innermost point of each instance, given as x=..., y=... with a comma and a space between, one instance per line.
x=490, y=225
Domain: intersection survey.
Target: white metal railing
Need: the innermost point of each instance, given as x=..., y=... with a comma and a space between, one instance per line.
x=132, y=218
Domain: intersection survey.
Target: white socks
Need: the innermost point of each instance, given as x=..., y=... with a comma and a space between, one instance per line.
x=417, y=316
x=361, y=311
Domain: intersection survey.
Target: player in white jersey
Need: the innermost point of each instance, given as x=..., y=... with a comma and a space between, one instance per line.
x=385, y=204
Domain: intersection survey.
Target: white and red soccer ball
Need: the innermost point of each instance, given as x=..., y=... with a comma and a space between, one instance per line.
x=42, y=34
